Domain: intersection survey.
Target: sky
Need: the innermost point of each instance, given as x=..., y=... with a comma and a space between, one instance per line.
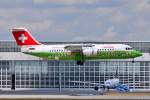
x=77, y=20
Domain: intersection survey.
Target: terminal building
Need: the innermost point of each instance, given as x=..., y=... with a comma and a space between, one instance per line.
x=20, y=71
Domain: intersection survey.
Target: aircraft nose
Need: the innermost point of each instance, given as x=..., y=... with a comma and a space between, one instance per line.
x=137, y=53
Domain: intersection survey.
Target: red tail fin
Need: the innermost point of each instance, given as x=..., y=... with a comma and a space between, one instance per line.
x=23, y=37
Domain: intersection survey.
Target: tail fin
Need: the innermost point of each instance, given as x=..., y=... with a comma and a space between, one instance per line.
x=23, y=37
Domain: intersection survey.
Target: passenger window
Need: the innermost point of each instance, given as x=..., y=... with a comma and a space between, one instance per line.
x=31, y=48
x=128, y=48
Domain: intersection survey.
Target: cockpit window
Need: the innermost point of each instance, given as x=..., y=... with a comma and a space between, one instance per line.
x=128, y=48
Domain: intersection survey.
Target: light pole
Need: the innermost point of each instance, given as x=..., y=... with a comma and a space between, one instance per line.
x=59, y=71
x=59, y=76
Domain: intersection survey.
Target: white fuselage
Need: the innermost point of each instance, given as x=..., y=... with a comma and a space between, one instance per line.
x=61, y=48
x=111, y=83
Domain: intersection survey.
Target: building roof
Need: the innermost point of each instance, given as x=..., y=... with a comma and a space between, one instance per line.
x=17, y=56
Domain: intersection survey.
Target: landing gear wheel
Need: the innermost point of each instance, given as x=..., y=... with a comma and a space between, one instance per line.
x=133, y=61
x=80, y=62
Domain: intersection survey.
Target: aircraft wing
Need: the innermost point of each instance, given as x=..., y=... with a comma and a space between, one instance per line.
x=86, y=82
x=77, y=47
x=77, y=51
x=138, y=83
x=73, y=47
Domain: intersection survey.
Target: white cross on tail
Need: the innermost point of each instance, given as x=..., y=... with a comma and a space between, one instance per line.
x=22, y=38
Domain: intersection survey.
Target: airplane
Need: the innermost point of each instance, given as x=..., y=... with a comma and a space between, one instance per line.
x=78, y=52
x=113, y=83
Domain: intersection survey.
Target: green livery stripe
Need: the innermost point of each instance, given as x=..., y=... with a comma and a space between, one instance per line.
x=78, y=55
x=115, y=55
x=52, y=55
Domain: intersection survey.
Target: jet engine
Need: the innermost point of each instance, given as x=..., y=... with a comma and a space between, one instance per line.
x=96, y=88
x=89, y=51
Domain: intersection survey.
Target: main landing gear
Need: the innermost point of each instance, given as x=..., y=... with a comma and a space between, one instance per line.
x=133, y=60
